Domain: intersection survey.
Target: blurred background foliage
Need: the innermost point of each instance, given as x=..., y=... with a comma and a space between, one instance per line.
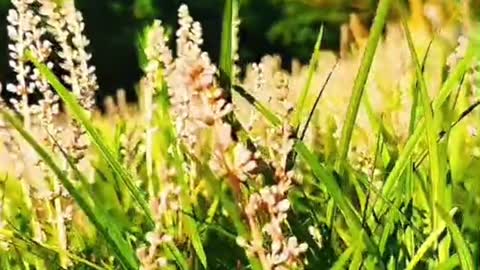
x=284, y=27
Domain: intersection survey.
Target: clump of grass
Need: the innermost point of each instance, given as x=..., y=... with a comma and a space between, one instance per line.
x=210, y=170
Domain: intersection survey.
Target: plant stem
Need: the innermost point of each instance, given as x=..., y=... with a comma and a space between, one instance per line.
x=360, y=81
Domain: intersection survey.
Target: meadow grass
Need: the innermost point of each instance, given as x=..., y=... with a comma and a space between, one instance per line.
x=364, y=161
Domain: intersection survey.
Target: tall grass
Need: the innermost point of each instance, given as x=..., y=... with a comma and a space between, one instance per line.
x=365, y=161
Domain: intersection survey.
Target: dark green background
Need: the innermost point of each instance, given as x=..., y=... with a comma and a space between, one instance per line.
x=285, y=27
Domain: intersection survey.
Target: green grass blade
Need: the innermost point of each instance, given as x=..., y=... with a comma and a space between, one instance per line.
x=360, y=81
x=311, y=71
x=228, y=44
x=50, y=250
x=292, y=156
x=316, y=102
x=414, y=93
x=437, y=178
x=228, y=203
x=452, y=263
x=403, y=160
x=120, y=247
x=79, y=114
x=456, y=76
x=351, y=216
x=378, y=150
x=331, y=184
x=343, y=259
x=427, y=244
x=464, y=254
x=357, y=259
x=196, y=240
x=269, y=115
x=389, y=227
x=175, y=253
x=449, y=85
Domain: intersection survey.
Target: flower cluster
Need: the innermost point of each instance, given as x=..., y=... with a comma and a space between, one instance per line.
x=26, y=33
x=459, y=52
x=165, y=210
x=205, y=132
x=22, y=31
x=81, y=75
x=36, y=26
x=199, y=107
x=266, y=212
x=157, y=52
x=32, y=24
x=198, y=102
x=66, y=25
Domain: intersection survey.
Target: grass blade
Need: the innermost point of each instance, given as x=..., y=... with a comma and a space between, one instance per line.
x=437, y=178
x=415, y=97
x=452, y=263
x=262, y=109
x=360, y=80
x=311, y=71
x=332, y=187
x=343, y=259
x=464, y=254
x=16, y=235
x=79, y=114
x=196, y=240
x=228, y=203
x=351, y=216
x=228, y=44
x=449, y=85
x=317, y=100
x=120, y=247
x=429, y=242
x=174, y=252
x=292, y=156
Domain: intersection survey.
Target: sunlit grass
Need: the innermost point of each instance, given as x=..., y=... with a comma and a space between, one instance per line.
x=369, y=161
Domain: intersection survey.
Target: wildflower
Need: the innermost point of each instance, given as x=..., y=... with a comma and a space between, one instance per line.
x=168, y=201
x=121, y=98
x=149, y=260
x=198, y=102
x=66, y=25
x=81, y=74
x=110, y=107
x=156, y=50
x=235, y=162
x=164, y=208
x=26, y=33
x=266, y=212
x=459, y=52
x=21, y=31
x=235, y=32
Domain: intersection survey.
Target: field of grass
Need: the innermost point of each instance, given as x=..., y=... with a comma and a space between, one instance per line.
x=366, y=160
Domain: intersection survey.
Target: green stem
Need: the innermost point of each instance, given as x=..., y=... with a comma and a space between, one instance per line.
x=360, y=81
